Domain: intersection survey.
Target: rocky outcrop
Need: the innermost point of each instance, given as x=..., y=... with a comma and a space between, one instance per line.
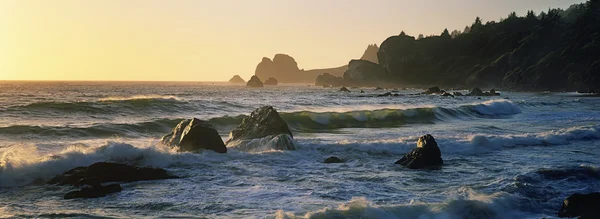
x=581, y=205
x=333, y=160
x=103, y=172
x=236, y=79
x=370, y=54
x=266, y=68
x=478, y=92
x=329, y=80
x=271, y=81
x=254, y=82
x=365, y=73
x=263, y=126
x=94, y=192
x=195, y=135
x=426, y=155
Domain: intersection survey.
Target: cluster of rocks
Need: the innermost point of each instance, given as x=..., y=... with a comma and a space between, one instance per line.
x=191, y=135
x=256, y=82
x=102, y=172
x=475, y=92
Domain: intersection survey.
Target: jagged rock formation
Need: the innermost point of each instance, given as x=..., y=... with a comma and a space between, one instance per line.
x=371, y=54
x=286, y=70
x=237, y=80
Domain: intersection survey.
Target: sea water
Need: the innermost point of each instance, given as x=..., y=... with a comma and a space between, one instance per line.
x=517, y=155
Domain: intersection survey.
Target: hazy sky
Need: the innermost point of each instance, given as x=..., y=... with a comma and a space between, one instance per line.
x=207, y=40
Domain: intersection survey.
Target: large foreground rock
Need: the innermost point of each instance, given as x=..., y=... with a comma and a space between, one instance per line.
x=195, y=135
x=237, y=80
x=103, y=172
x=581, y=205
x=254, y=82
x=426, y=155
x=263, y=126
x=271, y=81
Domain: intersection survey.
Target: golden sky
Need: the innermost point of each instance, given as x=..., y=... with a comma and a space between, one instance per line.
x=208, y=40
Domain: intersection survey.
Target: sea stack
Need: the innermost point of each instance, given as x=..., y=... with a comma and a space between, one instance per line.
x=236, y=79
x=426, y=155
x=254, y=82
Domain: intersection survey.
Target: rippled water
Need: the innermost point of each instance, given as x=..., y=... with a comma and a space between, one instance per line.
x=513, y=156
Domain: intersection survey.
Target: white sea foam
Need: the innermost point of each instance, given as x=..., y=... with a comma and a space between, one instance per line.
x=469, y=204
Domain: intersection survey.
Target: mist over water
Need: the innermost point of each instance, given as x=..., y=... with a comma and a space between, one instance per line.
x=504, y=158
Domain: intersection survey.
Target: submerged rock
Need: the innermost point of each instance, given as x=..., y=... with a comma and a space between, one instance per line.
x=254, y=82
x=426, y=155
x=103, y=172
x=344, y=89
x=263, y=125
x=271, y=81
x=581, y=205
x=387, y=94
x=333, y=160
x=236, y=79
x=194, y=135
x=94, y=192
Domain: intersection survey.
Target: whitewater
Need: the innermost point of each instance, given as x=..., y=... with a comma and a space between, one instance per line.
x=517, y=155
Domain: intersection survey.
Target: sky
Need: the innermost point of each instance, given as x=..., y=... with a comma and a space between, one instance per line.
x=208, y=40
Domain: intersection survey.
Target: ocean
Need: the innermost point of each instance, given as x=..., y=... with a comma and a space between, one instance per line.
x=517, y=155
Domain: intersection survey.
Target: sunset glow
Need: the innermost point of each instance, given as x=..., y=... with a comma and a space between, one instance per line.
x=212, y=40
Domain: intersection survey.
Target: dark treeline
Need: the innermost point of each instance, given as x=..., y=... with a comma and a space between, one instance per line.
x=555, y=50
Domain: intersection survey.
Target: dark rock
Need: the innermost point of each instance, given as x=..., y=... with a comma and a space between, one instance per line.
x=378, y=88
x=262, y=122
x=385, y=94
x=254, y=82
x=344, y=89
x=271, y=81
x=426, y=155
x=94, y=192
x=102, y=172
x=584, y=205
x=365, y=73
x=194, y=135
x=457, y=94
x=395, y=91
x=433, y=90
x=333, y=160
x=330, y=80
x=237, y=79
x=476, y=92
x=362, y=91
